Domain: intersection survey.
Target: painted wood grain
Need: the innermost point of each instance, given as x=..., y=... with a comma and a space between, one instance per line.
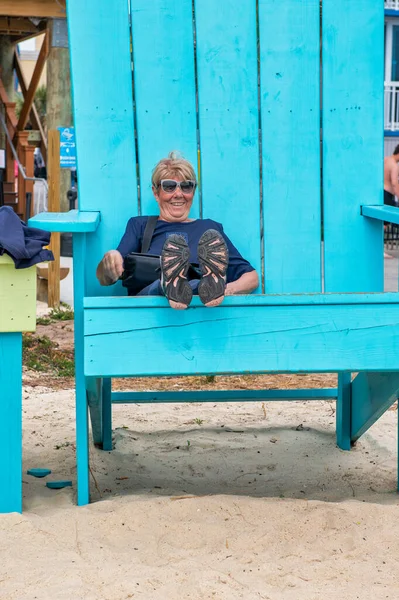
x=73, y=221
x=102, y=97
x=290, y=105
x=372, y=394
x=241, y=340
x=17, y=297
x=382, y=213
x=11, y=422
x=164, y=84
x=251, y=300
x=353, y=46
x=229, y=120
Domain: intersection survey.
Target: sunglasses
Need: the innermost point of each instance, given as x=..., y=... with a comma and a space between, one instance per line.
x=170, y=185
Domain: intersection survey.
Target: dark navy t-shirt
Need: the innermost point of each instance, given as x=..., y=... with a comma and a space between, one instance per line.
x=191, y=231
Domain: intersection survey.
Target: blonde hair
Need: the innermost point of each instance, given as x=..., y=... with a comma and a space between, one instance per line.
x=172, y=166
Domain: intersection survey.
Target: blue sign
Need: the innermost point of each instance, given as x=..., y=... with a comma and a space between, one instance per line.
x=67, y=148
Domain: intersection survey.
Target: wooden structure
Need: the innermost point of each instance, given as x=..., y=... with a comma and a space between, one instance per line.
x=318, y=241
x=18, y=313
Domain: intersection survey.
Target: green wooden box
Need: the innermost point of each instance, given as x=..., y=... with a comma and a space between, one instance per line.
x=17, y=297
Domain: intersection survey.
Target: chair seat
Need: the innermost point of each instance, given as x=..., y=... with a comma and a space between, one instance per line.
x=253, y=334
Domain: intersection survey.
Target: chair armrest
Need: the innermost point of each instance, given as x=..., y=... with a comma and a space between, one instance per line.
x=74, y=221
x=381, y=212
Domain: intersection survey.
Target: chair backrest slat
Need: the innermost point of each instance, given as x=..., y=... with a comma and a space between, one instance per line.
x=290, y=105
x=353, y=45
x=228, y=119
x=164, y=87
x=102, y=88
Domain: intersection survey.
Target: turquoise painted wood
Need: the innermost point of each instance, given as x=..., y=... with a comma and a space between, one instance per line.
x=229, y=120
x=248, y=301
x=287, y=339
x=372, y=394
x=290, y=109
x=102, y=97
x=11, y=422
x=247, y=96
x=353, y=46
x=107, y=414
x=95, y=402
x=82, y=425
x=223, y=396
x=382, y=213
x=73, y=221
x=164, y=85
x=343, y=411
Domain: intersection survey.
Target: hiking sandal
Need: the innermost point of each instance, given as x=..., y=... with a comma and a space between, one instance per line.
x=213, y=257
x=175, y=263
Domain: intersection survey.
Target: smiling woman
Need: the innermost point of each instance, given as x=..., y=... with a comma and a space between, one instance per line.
x=196, y=256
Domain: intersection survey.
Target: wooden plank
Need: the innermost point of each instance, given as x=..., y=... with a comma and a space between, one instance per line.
x=73, y=221
x=11, y=422
x=82, y=421
x=290, y=104
x=382, y=213
x=372, y=394
x=229, y=120
x=17, y=297
x=33, y=8
x=94, y=400
x=353, y=62
x=34, y=82
x=343, y=412
x=223, y=396
x=54, y=206
x=251, y=300
x=13, y=26
x=33, y=114
x=102, y=97
x=288, y=338
x=164, y=84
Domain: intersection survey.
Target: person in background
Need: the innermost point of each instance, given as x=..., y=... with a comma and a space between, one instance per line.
x=391, y=181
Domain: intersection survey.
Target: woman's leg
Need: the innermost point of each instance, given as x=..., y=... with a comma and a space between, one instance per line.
x=155, y=288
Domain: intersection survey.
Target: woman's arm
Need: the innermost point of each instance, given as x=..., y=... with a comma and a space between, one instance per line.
x=247, y=283
x=110, y=268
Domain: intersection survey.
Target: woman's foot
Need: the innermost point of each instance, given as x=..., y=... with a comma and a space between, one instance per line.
x=174, y=266
x=213, y=257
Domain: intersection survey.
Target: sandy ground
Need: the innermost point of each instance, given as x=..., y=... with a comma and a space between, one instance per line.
x=204, y=501
x=259, y=504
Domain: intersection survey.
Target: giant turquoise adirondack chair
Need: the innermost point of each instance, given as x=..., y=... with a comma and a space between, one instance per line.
x=292, y=168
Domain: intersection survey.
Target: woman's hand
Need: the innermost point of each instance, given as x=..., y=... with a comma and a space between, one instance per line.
x=110, y=268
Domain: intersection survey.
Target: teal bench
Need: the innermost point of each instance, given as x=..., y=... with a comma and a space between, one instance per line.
x=290, y=154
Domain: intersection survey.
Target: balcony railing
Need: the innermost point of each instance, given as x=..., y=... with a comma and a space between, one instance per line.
x=391, y=107
x=392, y=4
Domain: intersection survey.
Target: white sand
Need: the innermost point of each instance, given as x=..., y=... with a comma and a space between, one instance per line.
x=270, y=511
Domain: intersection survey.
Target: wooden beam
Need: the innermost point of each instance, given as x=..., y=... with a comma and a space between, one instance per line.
x=13, y=26
x=36, y=123
x=30, y=94
x=53, y=173
x=33, y=8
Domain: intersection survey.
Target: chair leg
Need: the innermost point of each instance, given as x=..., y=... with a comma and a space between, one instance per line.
x=82, y=440
x=107, y=414
x=343, y=413
x=11, y=422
